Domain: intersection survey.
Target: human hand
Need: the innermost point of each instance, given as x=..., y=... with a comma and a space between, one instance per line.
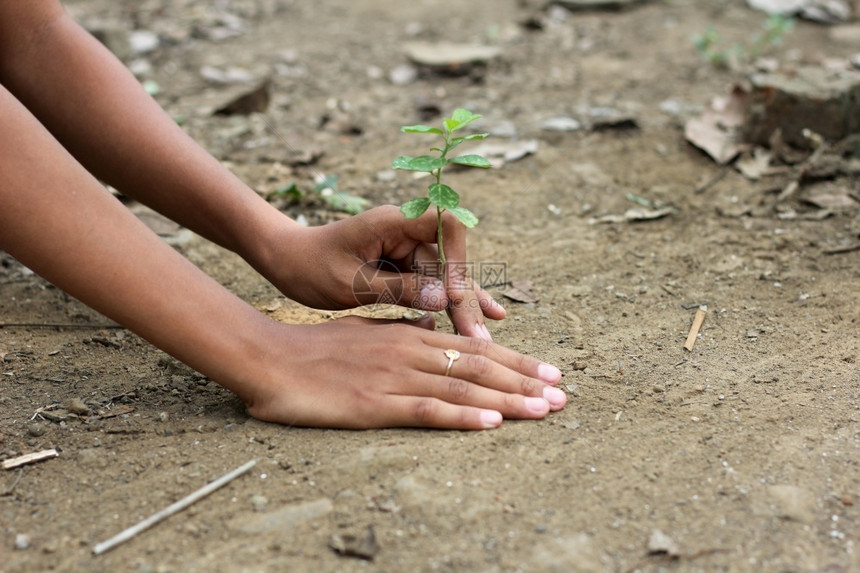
x=358, y=373
x=380, y=256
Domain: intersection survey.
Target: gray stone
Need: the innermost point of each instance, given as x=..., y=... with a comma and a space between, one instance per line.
x=450, y=57
x=259, y=502
x=561, y=123
x=283, y=519
x=77, y=406
x=792, y=502
x=403, y=75
x=565, y=554
x=659, y=543
x=826, y=102
x=142, y=41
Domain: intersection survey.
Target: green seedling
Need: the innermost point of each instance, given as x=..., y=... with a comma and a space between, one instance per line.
x=325, y=189
x=774, y=29
x=440, y=195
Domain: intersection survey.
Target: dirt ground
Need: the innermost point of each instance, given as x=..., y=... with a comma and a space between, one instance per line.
x=740, y=455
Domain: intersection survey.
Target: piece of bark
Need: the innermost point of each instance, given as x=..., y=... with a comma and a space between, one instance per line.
x=827, y=102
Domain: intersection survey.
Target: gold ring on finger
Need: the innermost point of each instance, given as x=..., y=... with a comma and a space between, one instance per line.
x=452, y=356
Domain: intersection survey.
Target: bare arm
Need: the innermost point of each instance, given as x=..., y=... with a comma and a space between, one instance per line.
x=97, y=110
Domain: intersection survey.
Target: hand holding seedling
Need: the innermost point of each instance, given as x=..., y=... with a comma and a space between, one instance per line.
x=325, y=260
x=58, y=220
x=452, y=271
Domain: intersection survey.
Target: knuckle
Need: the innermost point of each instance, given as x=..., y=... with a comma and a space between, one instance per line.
x=512, y=403
x=478, y=366
x=458, y=390
x=528, y=387
x=425, y=410
x=479, y=346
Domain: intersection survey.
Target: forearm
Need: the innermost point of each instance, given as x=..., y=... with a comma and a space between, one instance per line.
x=58, y=220
x=99, y=112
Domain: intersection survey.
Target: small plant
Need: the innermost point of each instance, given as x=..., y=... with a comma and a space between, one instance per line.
x=326, y=189
x=438, y=193
x=774, y=29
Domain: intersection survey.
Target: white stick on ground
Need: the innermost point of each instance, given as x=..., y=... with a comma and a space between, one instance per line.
x=175, y=508
x=697, y=324
x=29, y=458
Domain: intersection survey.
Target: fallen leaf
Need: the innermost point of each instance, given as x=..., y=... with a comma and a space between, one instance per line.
x=717, y=131
x=255, y=100
x=754, y=165
x=520, y=291
x=831, y=201
x=115, y=411
x=635, y=214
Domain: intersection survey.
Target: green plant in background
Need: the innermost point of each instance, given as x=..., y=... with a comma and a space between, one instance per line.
x=774, y=29
x=443, y=197
x=325, y=189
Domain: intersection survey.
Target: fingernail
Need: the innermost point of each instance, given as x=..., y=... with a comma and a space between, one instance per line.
x=554, y=396
x=491, y=418
x=432, y=296
x=483, y=332
x=537, y=405
x=549, y=373
x=487, y=332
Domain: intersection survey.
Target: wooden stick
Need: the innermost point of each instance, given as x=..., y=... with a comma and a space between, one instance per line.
x=175, y=508
x=697, y=324
x=29, y=459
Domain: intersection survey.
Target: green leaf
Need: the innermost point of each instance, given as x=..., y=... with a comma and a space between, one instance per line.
x=327, y=182
x=291, y=192
x=414, y=208
x=420, y=129
x=345, y=202
x=471, y=161
x=464, y=216
x=458, y=140
x=443, y=196
x=421, y=163
x=459, y=119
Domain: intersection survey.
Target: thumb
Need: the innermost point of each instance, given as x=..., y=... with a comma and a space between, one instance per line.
x=379, y=282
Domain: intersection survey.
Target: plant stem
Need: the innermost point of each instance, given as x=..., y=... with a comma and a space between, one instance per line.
x=442, y=260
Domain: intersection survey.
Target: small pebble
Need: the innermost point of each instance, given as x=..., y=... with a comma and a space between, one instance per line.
x=77, y=406
x=259, y=502
x=22, y=541
x=36, y=430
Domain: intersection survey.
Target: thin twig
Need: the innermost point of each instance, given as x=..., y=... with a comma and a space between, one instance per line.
x=13, y=463
x=845, y=249
x=697, y=324
x=712, y=181
x=14, y=484
x=175, y=508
